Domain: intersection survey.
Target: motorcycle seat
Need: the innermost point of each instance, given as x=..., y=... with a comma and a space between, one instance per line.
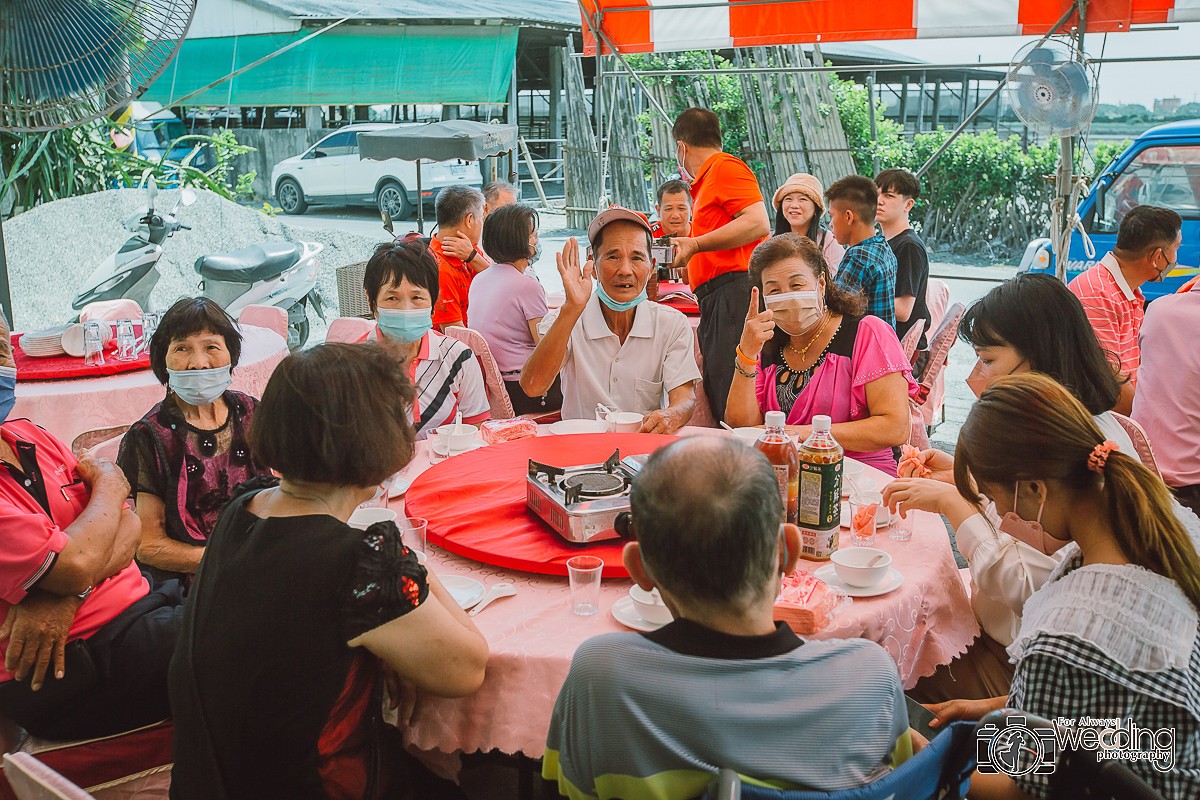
x=257, y=262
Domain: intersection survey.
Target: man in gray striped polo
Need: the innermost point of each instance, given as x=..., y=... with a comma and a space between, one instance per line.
x=658, y=714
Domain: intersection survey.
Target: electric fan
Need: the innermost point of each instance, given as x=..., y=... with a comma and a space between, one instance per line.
x=1051, y=89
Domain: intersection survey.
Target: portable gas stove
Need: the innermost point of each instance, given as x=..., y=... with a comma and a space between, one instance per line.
x=583, y=503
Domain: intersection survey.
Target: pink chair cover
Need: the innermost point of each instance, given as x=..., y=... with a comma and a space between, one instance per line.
x=1141, y=442
x=270, y=317
x=910, y=340
x=498, y=398
x=937, y=298
x=111, y=311
x=30, y=779
x=944, y=337
x=348, y=330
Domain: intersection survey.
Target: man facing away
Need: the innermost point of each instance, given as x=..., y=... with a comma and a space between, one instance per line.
x=455, y=246
x=869, y=265
x=658, y=714
x=728, y=219
x=1147, y=244
x=898, y=192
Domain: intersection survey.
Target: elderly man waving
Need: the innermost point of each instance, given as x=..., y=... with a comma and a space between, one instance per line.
x=612, y=346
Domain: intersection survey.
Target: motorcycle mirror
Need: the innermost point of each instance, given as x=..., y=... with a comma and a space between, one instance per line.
x=387, y=220
x=151, y=191
x=188, y=197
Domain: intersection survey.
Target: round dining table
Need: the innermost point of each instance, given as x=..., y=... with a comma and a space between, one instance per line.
x=532, y=636
x=67, y=408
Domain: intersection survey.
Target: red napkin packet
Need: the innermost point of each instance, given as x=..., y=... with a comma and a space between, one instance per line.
x=506, y=430
x=808, y=604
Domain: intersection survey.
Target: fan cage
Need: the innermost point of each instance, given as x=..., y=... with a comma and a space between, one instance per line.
x=1066, y=117
x=64, y=62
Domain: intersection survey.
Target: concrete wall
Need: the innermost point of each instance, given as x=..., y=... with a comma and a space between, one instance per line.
x=272, y=147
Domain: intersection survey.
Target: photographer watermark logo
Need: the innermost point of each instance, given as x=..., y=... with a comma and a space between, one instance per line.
x=1018, y=749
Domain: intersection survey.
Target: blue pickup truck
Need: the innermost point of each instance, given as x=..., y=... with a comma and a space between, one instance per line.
x=1162, y=168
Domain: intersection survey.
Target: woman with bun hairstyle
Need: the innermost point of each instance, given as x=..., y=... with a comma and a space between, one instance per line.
x=1113, y=633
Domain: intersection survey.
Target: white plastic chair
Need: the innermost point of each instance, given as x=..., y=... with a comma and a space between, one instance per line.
x=30, y=779
x=270, y=317
x=348, y=330
x=498, y=398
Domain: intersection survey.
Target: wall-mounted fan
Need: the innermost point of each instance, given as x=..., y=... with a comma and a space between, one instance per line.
x=1052, y=89
x=63, y=62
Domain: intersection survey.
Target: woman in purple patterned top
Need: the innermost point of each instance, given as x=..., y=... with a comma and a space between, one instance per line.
x=186, y=456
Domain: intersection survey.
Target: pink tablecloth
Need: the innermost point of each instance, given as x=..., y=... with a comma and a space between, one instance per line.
x=67, y=408
x=926, y=622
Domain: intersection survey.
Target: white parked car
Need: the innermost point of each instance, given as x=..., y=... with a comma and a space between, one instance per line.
x=331, y=173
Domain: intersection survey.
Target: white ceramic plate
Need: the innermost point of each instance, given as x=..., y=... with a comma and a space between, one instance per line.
x=883, y=517
x=435, y=446
x=624, y=612
x=890, y=583
x=465, y=591
x=565, y=426
x=399, y=484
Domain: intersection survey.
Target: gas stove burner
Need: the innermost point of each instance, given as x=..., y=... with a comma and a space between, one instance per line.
x=594, y=484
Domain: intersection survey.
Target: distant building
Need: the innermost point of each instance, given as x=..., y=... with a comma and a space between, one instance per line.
x=1167, y=105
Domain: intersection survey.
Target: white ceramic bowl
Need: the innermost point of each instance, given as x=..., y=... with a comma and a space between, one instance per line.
x=363, y=518
x=461, y=441
x=748, y=435
x=625, y=422
x=650, y=605
x=850, y=563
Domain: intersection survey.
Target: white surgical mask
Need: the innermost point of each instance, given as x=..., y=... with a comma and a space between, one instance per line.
x=796, y=313
x=199, y=387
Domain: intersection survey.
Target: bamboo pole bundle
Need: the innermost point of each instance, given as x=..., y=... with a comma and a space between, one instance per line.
x=628, y=178
x=580, y=155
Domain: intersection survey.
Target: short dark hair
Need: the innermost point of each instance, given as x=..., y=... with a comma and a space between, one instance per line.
x=899, y=181
x=698, y=127
x=859, y=192
x=793, y=245
x=674, y=186
x=706, y=514
x=337, y=414
x=506, y=232
x=600, y=238
x=454, y=203
x=492, y=191
x=187, y=317
x=1039, y=317
x=1147, y=227
x=392, y=262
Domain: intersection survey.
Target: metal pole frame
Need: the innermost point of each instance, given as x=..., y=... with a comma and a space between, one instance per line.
x=980, y=106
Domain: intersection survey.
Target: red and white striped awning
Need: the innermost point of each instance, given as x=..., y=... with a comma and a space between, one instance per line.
x=642, y=26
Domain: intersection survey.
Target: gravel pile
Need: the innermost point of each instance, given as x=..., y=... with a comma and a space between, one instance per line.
x=53, y=248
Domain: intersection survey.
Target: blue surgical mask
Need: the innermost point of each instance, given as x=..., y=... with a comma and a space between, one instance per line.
x=199, y=387
x=404, y=324
x=613, y=304
x=8, y=391
x=537, y=253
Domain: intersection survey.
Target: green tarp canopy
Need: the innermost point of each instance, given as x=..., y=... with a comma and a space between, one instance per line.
x=349, y=65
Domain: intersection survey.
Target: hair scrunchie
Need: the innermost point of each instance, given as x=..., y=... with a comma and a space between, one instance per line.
x=1099, y=456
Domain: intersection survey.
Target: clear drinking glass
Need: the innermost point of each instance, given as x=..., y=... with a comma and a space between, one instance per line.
x=412, y=533
x=583, y=572
x=126, y=341
x=864, y=510
x=149, y=326
x=901, y=529
x=93, y=345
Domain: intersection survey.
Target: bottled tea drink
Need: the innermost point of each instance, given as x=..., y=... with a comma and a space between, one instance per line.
x=820, y=491
x=781, y=452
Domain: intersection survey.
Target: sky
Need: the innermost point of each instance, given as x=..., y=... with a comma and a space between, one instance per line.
x=1119, y=83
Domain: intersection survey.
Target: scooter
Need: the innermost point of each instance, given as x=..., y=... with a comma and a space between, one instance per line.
x=280, y=274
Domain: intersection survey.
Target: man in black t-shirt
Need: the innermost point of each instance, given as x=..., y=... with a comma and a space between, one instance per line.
x=898, y=191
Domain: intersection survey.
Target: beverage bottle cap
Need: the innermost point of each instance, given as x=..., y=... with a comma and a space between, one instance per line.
x=821, y=422
x=776, y=419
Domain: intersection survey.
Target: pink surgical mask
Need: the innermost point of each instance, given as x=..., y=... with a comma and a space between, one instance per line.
x=1030, y=533
x=981, y=376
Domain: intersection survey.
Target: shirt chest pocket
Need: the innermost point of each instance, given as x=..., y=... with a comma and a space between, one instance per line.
x=649, y=394
x=74, y=495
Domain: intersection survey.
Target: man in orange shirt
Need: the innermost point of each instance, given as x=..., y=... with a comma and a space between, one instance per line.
x=456, y=248
x=729, y=219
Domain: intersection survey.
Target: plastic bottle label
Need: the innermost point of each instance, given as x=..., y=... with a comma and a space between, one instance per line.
x=819, y=545
x=820, y=495
x=781, y=475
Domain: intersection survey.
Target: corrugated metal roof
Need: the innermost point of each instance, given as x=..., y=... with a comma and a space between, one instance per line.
x=554, y=12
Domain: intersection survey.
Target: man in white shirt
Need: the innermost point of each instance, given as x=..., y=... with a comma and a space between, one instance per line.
x=611, y=345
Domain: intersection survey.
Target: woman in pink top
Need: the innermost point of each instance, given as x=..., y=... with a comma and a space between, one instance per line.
x=507, y=302
x=811, y=351
x=799, y=205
